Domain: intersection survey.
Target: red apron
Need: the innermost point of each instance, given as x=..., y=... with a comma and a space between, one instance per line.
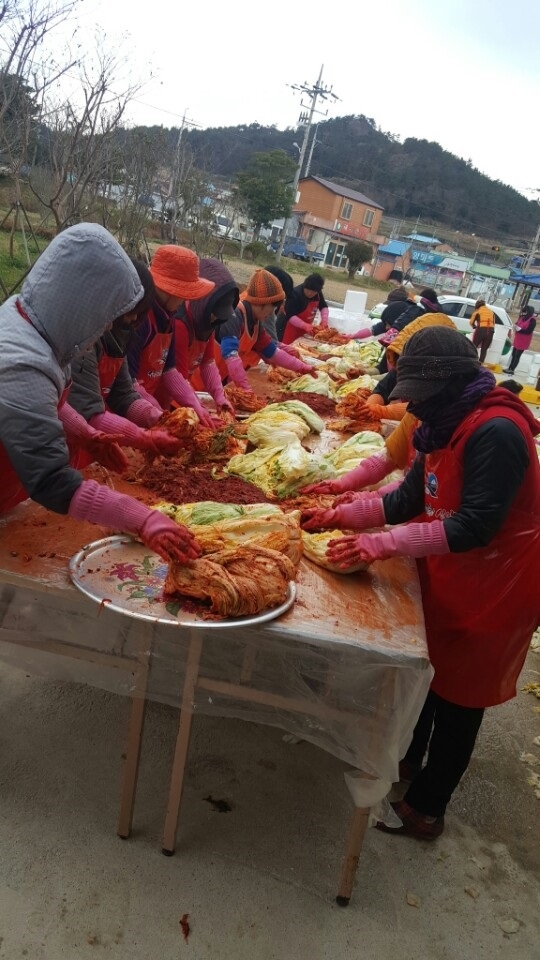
x=154, y=357
x=308, y=315
x=196, y=352
x=247, y=340
x=108, y=370
x=481, y=606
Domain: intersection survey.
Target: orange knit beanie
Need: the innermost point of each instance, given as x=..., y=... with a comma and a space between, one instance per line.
x=263, y=287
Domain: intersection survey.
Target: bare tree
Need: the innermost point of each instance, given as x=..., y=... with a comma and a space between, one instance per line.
x=137, y=197
x=27, y=70
x=80, y=132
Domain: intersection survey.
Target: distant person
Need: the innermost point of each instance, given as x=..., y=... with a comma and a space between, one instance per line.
x=302, y=306
x=483, y=324
x=524, y=330
x=275, y=325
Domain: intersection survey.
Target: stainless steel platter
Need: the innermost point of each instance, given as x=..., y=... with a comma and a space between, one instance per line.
x=124, y=575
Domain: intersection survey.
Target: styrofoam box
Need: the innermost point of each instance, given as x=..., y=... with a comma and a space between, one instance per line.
x=355, y=301
x=345, y=322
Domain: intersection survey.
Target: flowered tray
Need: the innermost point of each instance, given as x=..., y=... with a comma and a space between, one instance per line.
x=124, y=575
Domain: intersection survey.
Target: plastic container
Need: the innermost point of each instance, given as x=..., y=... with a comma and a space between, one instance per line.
x=355, y=301
x=495, y=351
x=345, y=322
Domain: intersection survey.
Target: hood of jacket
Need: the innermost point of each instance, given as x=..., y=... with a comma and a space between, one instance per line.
x=201, y=310
x=499, y=396
x=80, y=284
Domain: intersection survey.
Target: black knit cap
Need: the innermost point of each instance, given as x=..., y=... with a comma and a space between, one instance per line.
x=431, y=360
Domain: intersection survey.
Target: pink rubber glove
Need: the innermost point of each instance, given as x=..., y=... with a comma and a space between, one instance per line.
x=100, y=446
x=160, y=443
x=409, y=540
x=358, y=515
x=104, y=450
x=145, y=395
x=300, y=324
x=367, y=473
x=143, y=413
x=324, y=317
x=99, y=504
x=387, y=488
x=169, y=539
x=281, y=358
x=185, y=395
x=362, y=334
x=237, y=373
x=289, y=348
x=211, y=378
x=126, y=433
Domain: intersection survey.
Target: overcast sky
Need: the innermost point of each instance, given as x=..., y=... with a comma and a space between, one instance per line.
x=464, y=73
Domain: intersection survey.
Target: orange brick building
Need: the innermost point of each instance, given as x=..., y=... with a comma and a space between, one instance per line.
x=330, y=215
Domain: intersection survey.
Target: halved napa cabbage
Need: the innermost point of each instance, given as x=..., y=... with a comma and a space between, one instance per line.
x=316, y=547
x=361, y=383
x=367, y=354
x=219, y=525
x=358, y=447
x=212, y=511
x=301, y=409
x=321, y=384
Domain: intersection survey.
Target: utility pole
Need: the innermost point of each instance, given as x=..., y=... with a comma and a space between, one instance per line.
x=314, y=143
x=176, y=176
x=312, y=93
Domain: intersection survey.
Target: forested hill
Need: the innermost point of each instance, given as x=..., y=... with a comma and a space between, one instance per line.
x=416, y=178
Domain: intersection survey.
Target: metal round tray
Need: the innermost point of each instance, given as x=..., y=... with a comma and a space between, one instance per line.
x=124, y=575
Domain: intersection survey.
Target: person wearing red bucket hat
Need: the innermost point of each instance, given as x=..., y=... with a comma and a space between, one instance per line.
x=469, y=511
x=196, y=325
x=244, y=341
x=151, y=353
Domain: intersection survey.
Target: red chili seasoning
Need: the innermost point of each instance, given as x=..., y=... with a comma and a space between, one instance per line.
x=184, y=926
x=192, y=484
x=324, y=406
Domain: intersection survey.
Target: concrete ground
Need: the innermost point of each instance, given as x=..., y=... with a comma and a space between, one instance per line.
x=258, y=880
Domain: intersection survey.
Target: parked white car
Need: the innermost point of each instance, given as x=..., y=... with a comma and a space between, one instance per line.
x=461, y=310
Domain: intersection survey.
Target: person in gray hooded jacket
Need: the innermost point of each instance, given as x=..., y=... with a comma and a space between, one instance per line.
x=76, y=289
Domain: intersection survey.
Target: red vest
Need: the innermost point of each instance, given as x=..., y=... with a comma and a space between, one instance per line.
x=482, y=606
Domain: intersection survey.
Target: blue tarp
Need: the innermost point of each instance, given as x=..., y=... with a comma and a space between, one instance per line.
x=395, y=248
x=529, y=279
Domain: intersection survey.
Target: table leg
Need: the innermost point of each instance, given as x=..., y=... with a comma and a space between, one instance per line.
x=134, y=738
x=182, y=745
x=353, y=849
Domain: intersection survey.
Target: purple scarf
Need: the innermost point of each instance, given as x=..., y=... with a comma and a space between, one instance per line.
x=440, y=417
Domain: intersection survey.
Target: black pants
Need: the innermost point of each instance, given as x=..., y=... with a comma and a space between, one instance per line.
x=451, y=733
x=482, y=339
x=514, y=360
